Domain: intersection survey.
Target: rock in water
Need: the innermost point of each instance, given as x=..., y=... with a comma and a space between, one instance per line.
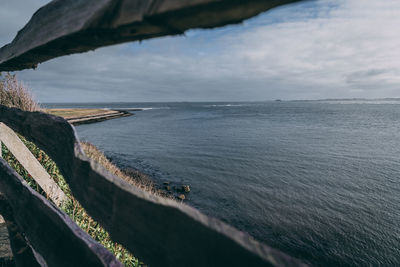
x=186, y=188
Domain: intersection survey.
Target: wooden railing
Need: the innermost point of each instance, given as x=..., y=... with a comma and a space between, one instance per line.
x=64, y=27
x=159, y=231
x=31, y=165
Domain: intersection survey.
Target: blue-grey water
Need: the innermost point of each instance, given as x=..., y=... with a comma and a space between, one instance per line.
x=317, y=180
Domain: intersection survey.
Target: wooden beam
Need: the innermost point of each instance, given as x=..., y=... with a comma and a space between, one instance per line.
x=159, y=231
x=53, y=235
x=22, y=253
x=31, y=164
x=75, y=26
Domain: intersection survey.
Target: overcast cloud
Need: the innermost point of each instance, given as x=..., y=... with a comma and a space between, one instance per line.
x=312, y=50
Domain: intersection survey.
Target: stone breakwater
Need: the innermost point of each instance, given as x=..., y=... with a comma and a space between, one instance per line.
x=85, y=116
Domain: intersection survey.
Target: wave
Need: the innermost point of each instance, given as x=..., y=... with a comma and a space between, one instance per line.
x=361, y=102
x=224, y=105
x=139, y=108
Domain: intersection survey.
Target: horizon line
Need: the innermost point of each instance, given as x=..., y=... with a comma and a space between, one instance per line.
x=235, y=101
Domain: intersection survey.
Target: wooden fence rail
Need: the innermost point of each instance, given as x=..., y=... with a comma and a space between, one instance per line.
x=159, y=231
x=64, y=27
x=52, y=234
x=31, y=164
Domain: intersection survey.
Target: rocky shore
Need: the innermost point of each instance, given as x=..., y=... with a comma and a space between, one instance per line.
x=170, y=190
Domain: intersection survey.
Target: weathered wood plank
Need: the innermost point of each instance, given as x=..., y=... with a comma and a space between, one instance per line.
x=6, y=255
x=21, y=252
x=159, y=231
x=74, y=26
x=31, y=164
x=51, y=232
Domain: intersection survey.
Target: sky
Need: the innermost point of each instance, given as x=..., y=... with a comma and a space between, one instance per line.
x=310, y=50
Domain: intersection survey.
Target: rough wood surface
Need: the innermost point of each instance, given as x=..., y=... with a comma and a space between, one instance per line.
x=22, y=253
x=159, y=231
x=65, y=27
x=6, y=256
x=31, y=164
x=53, y=235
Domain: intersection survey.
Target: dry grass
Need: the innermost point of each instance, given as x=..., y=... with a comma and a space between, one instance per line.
x=131, y=176
x=15, y=94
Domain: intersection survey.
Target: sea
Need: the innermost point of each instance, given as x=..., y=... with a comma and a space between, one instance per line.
x=318, y=180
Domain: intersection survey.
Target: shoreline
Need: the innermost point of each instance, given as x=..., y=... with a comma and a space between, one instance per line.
x=79, y=116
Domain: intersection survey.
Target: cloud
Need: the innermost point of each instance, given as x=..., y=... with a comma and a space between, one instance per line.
x=310, y=50
x=357, y=76
x=14, y=14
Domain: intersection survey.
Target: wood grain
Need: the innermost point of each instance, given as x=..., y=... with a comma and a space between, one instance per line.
x=65, y=27
x=159, y=231
x=31, y=164
x=51, y=232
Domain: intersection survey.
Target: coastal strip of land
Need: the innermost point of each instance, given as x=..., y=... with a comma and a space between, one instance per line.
x=77, y=116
